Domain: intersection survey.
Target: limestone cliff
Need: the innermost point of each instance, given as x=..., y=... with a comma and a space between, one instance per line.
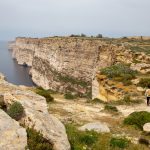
x=66, y=64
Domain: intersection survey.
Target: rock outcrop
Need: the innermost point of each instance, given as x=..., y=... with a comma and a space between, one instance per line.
x=12, y=135
x=36, y=114
x=144, y=68
x=96, y=126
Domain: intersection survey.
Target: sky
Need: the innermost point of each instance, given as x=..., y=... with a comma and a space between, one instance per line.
x=43, y=18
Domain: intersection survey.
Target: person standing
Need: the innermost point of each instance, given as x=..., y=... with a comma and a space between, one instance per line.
x=147, y=94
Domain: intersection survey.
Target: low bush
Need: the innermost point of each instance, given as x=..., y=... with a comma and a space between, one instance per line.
x=119, y=143
x=111, y=108
x=90, y=140
x=144, y=49
x=72, y=80
x=45, y=93
x=126, y=102
x=97, y=100
x=36, y=141
x=69, y=96
x=16, y=111
x=127, y=99
x=79, y=139
x=137, y=119
x=120, y=72
x=144, y=82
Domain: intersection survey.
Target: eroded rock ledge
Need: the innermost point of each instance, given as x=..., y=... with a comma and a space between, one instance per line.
x=36, y=116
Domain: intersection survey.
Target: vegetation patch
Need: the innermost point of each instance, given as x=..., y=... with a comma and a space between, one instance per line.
x=145, y=49
x=145, y=138
x=110, y=108
x=72, y=80
x=36, y=141
x=119, y=143
x=97, y=100
x=144, y=82
x=120, y=72
x=16, y=111
x=69, y=96
x=138, y=119
x=81, y=140
x=90, y=140
x=45, y=93
x=127, y=100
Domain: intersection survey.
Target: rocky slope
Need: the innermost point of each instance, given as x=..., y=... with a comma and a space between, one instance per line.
x=36, y=116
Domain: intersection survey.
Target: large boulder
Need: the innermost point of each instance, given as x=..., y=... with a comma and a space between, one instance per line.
x=36, y=114
x=96, y=126
x=146, y=127
x=12, y=135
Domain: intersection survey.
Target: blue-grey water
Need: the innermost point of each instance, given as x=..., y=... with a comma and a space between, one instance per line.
x=13, y=72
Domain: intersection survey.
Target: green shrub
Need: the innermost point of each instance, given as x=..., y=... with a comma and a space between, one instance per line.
x=97, y=100
x=72, y=80
x=36, y=141
x=127, y=102
x=125, y=79
x=144, y=82
x=145, y=49
x=111, y=108
x=45, y=93
x=16, y=111
x=90, y=140
x=138, y=119
x=79, y=139
x=127, y=98
x=120, y=72
x=119, y=143
x=69, y=96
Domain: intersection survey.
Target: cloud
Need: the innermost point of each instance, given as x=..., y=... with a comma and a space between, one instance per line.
x=60, y=17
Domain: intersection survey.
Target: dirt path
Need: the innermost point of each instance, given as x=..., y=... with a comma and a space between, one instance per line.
x=79, y=111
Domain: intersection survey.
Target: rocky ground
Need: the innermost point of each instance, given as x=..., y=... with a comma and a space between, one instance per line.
x=81, y=112
x=35, y=116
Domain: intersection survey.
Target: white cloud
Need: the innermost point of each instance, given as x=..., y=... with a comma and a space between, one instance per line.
x=50, y=17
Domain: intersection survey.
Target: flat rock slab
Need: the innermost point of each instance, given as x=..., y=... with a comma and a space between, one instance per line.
x=146, y=127
x=12, y=135
x=96, y=126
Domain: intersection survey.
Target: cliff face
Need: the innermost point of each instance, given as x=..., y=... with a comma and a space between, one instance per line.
x=68, y=64
x=24, y=50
